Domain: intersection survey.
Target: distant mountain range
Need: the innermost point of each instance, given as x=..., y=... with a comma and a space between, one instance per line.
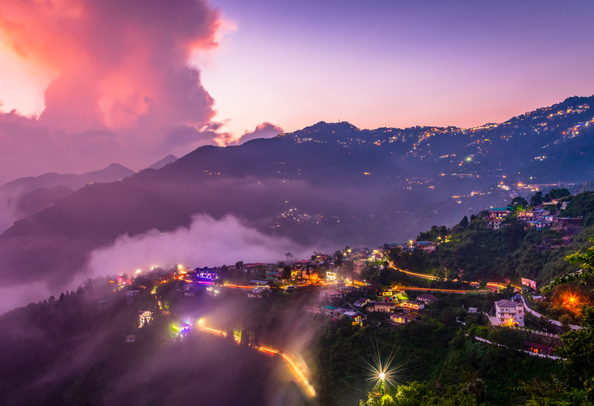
x=330, y=184
x=163, y=162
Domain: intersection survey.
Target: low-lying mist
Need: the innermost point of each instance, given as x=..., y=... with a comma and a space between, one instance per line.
x=207, y=242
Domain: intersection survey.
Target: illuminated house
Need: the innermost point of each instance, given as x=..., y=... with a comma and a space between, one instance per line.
x=509, y=313
x=402, y=318
x=385, y=307
x=496, y=217
x=426, y=298
x=409, y=304
x=538, y=348
x=362, y=301
x=427, y=246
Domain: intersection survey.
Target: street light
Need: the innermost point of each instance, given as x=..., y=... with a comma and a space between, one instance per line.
x=383, y=383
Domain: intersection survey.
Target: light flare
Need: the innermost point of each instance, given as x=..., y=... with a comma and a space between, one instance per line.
x=286, y=357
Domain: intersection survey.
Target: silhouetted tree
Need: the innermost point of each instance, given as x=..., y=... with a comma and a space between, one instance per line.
x=536, y=199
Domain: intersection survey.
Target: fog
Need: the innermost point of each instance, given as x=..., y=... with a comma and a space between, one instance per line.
x=207, y=242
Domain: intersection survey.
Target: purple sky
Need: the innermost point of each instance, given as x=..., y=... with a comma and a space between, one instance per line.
x=107, y=81
x=397, y=63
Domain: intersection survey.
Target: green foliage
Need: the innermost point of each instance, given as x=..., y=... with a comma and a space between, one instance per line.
x=434, y=233
x=581, y=205
x=586, y=262
x=578, y=350
x=556, y=194
x=512, y=339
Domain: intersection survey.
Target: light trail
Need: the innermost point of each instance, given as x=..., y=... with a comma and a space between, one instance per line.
x=271, y=351
x=494, y=286
x=238, y=286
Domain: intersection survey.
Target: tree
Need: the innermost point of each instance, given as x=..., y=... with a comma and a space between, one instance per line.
x=578, y=350
x=536, y=199
x=288, y=255
x=556, y=194
x=286, y=272
x=518, y=203
x=585, y=260
x=464, y=222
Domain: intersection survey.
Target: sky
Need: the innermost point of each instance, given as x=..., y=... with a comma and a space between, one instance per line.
x=87, y=83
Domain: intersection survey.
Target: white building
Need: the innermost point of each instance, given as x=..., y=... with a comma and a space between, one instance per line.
x=510, y=313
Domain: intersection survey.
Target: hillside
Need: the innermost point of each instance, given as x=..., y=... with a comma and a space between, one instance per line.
x=328, y=185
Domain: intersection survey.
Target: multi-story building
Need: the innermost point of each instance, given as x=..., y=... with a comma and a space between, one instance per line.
x=509, y=313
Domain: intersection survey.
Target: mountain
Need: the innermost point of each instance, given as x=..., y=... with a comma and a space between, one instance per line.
x=50, y=180
x=163, y=162
x=40, y=199
x=328, y=185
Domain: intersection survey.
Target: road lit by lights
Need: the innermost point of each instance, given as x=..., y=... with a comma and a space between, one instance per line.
x=295, y=369
x=238, y=286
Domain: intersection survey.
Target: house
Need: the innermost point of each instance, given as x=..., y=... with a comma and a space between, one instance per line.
x=384, y=307
x=259, y=282
x=259, y=292
x=208, y=273
x=426, y=298
x=131, y=295
x=327, y=310
x=509, y=313
x=362, y=301
x=472, y=310
x=330, y=294
x=386, y=292
x=537, y=298
x=144, y=317
x=496, y=217
x=130, y=338
x=402, y=318
x=409, y=304
x=538, y=348
x=427, y=246
x=356, y=318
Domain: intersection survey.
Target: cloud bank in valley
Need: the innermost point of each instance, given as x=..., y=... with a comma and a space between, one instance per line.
x=207, y=242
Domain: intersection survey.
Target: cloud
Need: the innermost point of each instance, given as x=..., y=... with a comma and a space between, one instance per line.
x=207, y=242
x=122, y=85
x=264, y=130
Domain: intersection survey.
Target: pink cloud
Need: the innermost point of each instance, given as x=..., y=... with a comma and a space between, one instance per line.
x=264, y=130
x=122, y=87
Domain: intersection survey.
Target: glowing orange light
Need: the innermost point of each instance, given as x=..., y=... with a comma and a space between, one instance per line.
x=267, y=350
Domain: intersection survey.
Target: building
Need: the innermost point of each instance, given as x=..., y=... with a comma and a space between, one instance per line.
x=130, y=338
x=362, y=301
x=409, y=304
x=426, y=298
x=402, y=318
x=538, y=348
x=509, y=313
x=258, y=293
x=144, y=317
x=131, y=295
x=427, y=246
x=330, y=294
x=497, y=216
x=385, y=307
x=356, y=318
